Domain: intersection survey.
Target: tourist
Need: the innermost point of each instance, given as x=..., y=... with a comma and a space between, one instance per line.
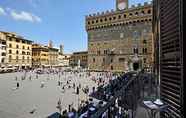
x=17, y=84
x=16, y=78
x=74, y=85
x=42, y=84
x=77, y=92
x=30, y=78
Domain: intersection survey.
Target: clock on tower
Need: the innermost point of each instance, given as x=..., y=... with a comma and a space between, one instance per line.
x=121, y=4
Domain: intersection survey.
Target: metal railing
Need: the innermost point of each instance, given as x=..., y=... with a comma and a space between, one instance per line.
x=117, y=94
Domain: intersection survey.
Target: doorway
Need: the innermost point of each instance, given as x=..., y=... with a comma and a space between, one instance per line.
x=136, y=66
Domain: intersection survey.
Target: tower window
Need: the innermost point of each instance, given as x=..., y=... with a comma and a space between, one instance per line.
x=136, y=13
x=103, y=59
x=144, y=50
x=111, y=68
x=99, y=52
x=119, y=17
x=149, y=11
x=121, y=59
x=94, y=60
x=144, y=41
x=135, y=50
x=144, y=60
x=111, y=60
x=125, y=15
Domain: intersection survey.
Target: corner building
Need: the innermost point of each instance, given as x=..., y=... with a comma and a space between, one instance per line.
x=120, y=40
x=18, y=50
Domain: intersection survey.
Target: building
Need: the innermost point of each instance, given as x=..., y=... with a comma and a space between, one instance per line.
x=2, y=50
x=79, y=59
x=168, y=29
x=53, y=56
x=18, y=50
x=64, y=60
x=50, y=44
x=40, y=55
x=61, y=49
x=121, y=40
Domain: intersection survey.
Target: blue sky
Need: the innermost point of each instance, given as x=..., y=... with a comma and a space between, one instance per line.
x=62, y=21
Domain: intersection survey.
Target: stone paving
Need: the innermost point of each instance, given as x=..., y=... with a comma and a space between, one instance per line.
x=17, y=103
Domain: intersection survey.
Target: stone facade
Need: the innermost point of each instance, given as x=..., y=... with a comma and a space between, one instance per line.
x=120, y=40
x=18, y=50
x=53, y=56
x=79, y=59
x=64, y=60
x=40, y=56
x=2, y=52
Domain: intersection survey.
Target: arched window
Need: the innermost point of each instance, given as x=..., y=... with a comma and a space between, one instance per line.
x=142, y=12
x=94, y=60
x=125, y=16
x=144, y=41
x=111, y=67
x=136, y=13
x=119, y=17
x=149, y=12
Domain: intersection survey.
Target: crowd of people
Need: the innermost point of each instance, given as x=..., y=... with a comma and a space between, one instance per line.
x=67, y=80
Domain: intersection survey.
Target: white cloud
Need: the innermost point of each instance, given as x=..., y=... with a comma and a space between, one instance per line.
x=24, y=16
x=2, y=11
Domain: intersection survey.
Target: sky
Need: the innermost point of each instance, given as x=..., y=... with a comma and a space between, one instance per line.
x=62, y=21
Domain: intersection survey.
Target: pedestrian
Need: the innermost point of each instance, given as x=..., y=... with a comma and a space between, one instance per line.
x=93, y=89
x=30, y=78
x=17, y=84
x=58, y=83
x=74, y=85
x=77, y=92
x=80, y=86
x=16, y=78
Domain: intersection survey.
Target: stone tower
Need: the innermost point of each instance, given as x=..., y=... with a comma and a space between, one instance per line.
x=50, y=44
x=121, y=4
x=61, y=49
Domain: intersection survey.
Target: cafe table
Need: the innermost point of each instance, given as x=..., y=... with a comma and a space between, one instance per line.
x=153, y=106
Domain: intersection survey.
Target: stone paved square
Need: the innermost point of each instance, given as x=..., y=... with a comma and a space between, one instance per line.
x=18, y=103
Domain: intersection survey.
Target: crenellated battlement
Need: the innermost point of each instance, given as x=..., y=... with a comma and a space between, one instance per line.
x=112, y=11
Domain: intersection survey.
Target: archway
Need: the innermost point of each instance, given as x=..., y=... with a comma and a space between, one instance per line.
x=136, y=66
